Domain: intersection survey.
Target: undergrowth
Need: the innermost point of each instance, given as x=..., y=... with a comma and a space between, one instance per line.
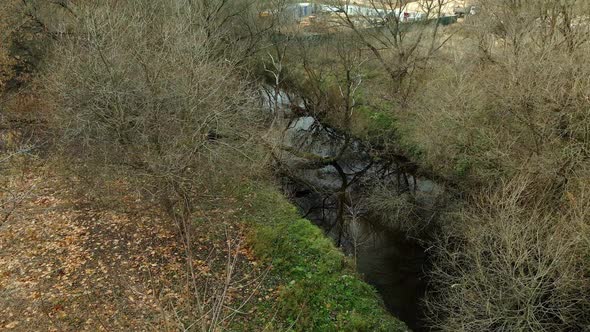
x=318, y=287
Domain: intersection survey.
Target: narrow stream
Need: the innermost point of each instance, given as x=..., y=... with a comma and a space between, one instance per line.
x=386, y=256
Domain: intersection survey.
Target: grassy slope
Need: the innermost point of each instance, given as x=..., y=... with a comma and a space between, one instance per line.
x=318, y=287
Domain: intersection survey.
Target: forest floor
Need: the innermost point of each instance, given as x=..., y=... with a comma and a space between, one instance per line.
x=69, y=264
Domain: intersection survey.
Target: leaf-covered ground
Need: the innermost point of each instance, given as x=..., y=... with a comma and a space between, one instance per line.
x=75, y=259
x=66, y=264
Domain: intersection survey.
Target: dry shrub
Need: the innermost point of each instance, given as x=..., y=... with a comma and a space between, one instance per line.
x=397, y=211
x=146, y=99
x=141, y=92
x=506, y=109
x=513, y=92
x=414, y=211
x=513, y=261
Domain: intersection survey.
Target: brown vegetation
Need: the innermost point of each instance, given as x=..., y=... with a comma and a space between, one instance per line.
x=165, y=120
x=145, y=94
x=153, y=103
x=505, y=117
x=497, y=109
x=513, y=261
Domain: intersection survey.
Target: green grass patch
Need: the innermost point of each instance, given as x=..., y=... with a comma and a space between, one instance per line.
x=318, y=287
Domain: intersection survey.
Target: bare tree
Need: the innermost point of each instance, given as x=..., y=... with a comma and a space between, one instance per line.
x=168, y=112
x=402, y=35
x=511, y=262
x=148, y=93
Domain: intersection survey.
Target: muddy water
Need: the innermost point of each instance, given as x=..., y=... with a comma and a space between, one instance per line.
x=387, y=258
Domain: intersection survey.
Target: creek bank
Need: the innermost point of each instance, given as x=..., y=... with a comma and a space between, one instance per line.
x=318, y=287
x=335, y=196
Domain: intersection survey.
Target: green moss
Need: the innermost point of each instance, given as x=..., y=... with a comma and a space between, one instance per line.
x=319, y=290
